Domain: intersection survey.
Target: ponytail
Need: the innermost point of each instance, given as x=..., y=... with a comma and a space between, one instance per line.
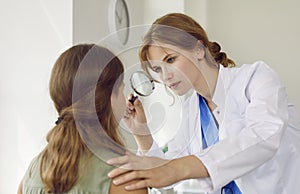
x=60, y=159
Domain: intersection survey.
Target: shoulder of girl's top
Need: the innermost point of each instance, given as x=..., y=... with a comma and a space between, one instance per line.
x=34, y=160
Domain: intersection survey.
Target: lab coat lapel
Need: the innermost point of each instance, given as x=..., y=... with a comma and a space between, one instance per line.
x=194, y=120
x=219, y=98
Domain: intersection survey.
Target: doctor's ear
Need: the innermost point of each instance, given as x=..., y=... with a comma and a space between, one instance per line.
x=200, y=50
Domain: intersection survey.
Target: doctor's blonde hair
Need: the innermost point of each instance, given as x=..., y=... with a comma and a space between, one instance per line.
x=177, y=29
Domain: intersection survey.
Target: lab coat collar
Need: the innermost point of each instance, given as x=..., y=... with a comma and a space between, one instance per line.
x=219, y=93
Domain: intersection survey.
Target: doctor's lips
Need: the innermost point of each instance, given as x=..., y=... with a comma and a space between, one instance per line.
x=174, y=85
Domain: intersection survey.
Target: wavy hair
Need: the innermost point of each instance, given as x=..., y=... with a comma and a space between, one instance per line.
x=66, y=146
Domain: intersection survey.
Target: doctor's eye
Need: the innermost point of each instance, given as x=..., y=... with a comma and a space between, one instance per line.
x=171, y=59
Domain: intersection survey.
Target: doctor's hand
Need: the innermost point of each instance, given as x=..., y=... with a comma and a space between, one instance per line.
x=135, y=117
x=155, y=172
x=136, y=121
x=147, y=171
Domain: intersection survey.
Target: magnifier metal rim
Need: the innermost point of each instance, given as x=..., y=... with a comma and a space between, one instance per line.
x=131, y=83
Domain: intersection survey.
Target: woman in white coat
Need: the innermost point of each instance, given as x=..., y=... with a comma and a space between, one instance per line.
x=239, y=133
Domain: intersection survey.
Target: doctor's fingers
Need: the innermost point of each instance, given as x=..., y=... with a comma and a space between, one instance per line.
x=157, y=178
x=118, y=160
x=140, y=176
x=131, y=101
x=145, y=178
x=129, y=113
x=138, y=106
x=142, y=183
x=125, y=169
x=138, y=113
x=117, y=172
x=123, y=159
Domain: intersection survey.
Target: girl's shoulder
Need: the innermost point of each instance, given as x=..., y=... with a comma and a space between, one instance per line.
x=93, y=177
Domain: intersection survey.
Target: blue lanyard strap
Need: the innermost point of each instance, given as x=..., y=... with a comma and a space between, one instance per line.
x=210, y=136
x=209, y=129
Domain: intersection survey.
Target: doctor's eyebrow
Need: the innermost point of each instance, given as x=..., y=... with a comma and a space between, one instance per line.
x=166, y=57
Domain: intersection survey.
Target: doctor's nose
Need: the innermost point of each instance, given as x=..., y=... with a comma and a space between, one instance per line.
x=166, y=74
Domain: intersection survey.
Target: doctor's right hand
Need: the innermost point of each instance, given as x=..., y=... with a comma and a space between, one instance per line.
x=135, y=117
x=136, y=121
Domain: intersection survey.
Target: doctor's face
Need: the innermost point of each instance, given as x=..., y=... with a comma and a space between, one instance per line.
x=174, y=67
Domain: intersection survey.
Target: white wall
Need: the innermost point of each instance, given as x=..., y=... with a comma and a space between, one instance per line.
x=156, y=8
x=90, y=19
x=197, y=9
x=260, y=30
x=33, y=33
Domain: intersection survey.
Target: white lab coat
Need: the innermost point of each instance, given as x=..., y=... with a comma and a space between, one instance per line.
x=259, y=134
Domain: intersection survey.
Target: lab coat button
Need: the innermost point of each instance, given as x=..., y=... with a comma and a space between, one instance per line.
x=218, y=112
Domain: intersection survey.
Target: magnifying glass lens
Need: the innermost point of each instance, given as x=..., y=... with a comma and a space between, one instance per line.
x=141, y=84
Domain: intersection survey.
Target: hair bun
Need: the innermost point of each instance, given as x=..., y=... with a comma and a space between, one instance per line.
x=215, y=47
x=222, y=58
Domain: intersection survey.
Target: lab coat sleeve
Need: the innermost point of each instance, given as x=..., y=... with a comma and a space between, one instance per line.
x=182, y=141
x=266, y=117
x=177, y=147
x=154, y=150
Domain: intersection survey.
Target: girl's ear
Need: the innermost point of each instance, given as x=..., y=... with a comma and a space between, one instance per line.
x=200, y=50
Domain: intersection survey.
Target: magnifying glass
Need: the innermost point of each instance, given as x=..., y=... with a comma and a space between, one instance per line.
x=141, y=84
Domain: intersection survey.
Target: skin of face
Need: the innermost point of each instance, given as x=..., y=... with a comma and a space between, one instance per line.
x=176, y=67
x=118, y=102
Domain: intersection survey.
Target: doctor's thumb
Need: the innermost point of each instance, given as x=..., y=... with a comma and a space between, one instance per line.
x=138, y=105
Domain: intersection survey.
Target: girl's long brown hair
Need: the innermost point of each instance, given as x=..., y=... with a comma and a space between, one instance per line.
x=177, y=29
x=61, y=157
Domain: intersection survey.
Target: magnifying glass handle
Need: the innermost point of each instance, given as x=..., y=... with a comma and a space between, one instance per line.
x=132, y=99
